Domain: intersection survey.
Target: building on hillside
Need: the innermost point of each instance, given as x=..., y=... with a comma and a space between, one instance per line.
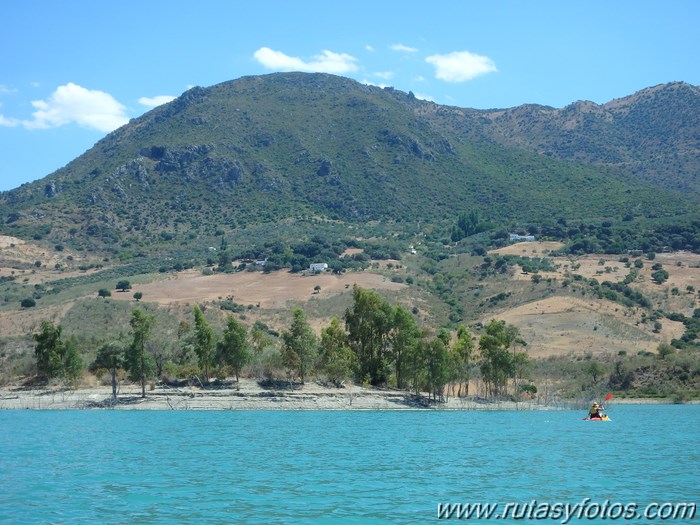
x=518, y=238
x=318, y=267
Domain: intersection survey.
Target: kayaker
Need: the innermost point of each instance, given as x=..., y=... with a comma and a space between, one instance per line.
x=595, y=411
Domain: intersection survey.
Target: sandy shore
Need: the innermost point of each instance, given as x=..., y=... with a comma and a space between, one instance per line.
x=250, y=396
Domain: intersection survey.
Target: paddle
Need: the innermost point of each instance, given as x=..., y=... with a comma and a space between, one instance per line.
x=608, y=398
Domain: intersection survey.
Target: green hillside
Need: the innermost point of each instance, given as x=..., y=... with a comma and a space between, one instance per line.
x=651, y=136
x=296, y=148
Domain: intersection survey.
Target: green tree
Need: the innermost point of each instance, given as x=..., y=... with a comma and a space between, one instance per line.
x=260, y=338
x=496, y=361
x=415, y=363
x=403, y=337
x=204, y=341
x=300, y=344
x=110, y=356
x=49, y=350
x=665, y=350
x=123, y=285
x=437, y=368
x=103, y=292
x=369, y=322
x=72, y=362
x=138, y=296
x=462, y=353
x=336, y=360
x=595, y=370
x=234, y=348
x=56, y=358
x=659, y=276
x=521, y=370
x=140, y=363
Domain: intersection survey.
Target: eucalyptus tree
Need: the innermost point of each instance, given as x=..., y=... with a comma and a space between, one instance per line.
x=437, y=361
x=56, y=358
x=139, y=362
x=462, y=353
x=111, y=357
x=204, y=341
x=299, y=344
x=404, y=335
x=234, y=348
x=49, y=350
x=497, y=362
x=336, y=359
x=369, y=322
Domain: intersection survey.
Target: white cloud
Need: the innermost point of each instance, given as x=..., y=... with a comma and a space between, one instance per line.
x=423, y=96
x=4, y=89
x=459, y=66
x=75, y=104
x=8, y=122
x=369, y=48
x=386, y=75
x=326, y=62
x=372, y=83
x=402, y=48
x=152, y=102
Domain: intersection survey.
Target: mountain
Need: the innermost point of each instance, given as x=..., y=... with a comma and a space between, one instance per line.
x=291, y=147
x=652, y=136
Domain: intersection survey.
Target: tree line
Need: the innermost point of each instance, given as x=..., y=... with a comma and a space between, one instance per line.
x=375, y=343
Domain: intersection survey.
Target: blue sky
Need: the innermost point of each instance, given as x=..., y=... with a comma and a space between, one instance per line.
x=73, y=70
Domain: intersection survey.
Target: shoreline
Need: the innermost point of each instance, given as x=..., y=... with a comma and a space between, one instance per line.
x=251, y=396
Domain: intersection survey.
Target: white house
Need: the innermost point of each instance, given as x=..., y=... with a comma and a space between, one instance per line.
x=318, y=267
x=516, y=237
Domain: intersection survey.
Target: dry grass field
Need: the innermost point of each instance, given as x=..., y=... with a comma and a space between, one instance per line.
x=555, y=325
x=271, y=290
x=561, y=325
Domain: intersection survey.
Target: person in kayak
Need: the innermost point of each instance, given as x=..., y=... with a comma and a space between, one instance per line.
x=596, y=411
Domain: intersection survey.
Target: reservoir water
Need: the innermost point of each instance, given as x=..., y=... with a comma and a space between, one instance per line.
x=403, y=467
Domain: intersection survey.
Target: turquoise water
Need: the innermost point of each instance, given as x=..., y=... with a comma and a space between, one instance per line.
x=142, y=467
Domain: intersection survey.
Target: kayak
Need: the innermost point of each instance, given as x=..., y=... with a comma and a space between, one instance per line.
x=604, y=418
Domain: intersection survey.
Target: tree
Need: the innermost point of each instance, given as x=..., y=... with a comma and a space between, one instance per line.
x=234, y=348
x=496, y=361
x=138, y=296
x=123, y=285
x=369, y=323
x=300, y=344
x=260, y=338
x=665, y=350
x=336, y=358
x=437, y=368
x=103, y=292
x=203, y=341
x=111, y=357
x=139, y=362
x=56, y=358
x=403, y=336
x=49, y=350
x=28, y=303
x=595, y=369
x=72, y=362
x=461, y=358
x=659, y=276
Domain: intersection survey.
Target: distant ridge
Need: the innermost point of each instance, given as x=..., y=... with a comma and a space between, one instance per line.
x=651, y=136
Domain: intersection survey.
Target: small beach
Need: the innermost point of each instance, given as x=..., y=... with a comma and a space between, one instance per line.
x=251, y=395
